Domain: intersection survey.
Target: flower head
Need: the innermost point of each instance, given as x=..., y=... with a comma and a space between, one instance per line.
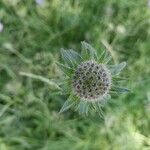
x=89, y=78
x=91, y=81
x=1, y=26
x=148, y=3
x=39, y=2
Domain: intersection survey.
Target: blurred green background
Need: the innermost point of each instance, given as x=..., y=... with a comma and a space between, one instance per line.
x=32, y=33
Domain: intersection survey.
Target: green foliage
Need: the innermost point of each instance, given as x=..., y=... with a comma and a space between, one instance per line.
x=30, y=43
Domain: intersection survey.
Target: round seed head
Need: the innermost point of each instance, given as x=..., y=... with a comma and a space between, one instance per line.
x=91, y=81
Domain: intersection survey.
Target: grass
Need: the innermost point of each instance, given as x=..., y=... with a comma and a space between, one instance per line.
x=31, y=42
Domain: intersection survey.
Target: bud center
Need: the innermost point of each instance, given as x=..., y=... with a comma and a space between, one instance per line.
x=91, y=80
